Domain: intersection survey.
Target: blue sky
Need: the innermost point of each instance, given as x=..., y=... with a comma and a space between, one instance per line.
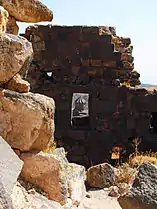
x=136, y=19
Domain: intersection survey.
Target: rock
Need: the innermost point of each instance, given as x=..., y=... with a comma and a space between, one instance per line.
x=3, y=19
x=29, y=120
x=18, y=84
x=5, y=200
x=114, y=191
x=45, y=172
x=12, y=26
x=23, y=200
x=75, y=174
x=102, y=175
x=52, y=173
x=15, y=53
x=10, y=166
x=124, y=188
x=30, y=11
x=76, y=179
x=143, y=194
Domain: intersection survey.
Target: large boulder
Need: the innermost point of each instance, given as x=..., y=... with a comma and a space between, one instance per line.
x=143, y=194
x=10, y=166
x=27, y=120
x=30, y=11
x=54, y=175
x=101, y=176
x=45, y=172
x=15, y=52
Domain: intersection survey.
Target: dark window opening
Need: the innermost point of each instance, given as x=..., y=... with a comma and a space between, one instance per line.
x=80, y=111
x=153, y=122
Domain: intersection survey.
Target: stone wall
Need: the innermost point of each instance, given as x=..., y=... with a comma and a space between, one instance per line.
x=98, y=63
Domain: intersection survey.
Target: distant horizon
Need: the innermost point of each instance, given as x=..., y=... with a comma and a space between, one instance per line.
x=135, y=20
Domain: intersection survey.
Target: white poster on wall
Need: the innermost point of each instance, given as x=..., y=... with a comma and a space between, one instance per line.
x=80, y=105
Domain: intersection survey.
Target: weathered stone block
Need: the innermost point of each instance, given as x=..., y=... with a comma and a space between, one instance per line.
x=15, y=52
x=29, y=120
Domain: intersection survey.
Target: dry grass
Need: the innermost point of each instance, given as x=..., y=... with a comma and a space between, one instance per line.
x=126, y=174
x=127, y=171
x=137, y=160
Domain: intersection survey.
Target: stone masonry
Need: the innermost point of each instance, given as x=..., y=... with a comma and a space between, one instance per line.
x=113, y=110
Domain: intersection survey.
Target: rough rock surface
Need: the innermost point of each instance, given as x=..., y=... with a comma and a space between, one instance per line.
x=143, y=194
x=23, y=199
x=10, y=166
x=54, y=175
x=27, y=11
x=18, y=84
x=3, y=19
x=12, y=26
x=29, y=120
x=101, y=176
x=15, y=52
x=45, y=172
x=5, y=199
x=75, y=175
x=76, y=178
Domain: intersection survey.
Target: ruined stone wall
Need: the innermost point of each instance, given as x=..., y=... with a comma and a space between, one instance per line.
x=91, y=60
x=83, y=55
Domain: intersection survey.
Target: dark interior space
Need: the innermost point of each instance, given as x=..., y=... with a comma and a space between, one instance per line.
x=81, y=122
x=153, y=122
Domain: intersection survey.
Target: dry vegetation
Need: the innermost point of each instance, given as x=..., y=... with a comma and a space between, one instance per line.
x=129, y=169
x=137, y=160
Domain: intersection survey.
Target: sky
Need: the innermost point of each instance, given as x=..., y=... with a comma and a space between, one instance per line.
x=136, y=19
